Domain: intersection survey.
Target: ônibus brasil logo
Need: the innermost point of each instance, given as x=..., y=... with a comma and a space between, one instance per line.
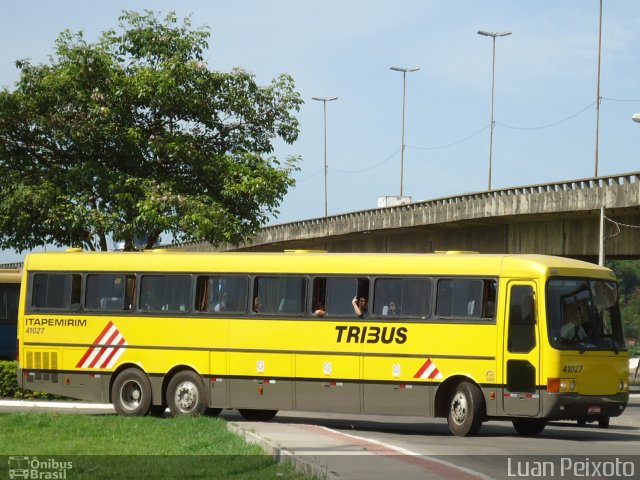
x=34, y=467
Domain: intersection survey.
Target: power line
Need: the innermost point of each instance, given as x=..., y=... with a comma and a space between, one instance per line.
x=621, y=99
x=451, y=144
x=309, y=177
x=619, y=224
x=462, y=140
x=368, y=168
x=550, y=124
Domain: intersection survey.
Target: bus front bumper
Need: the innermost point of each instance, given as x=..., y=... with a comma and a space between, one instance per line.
x=562, y=406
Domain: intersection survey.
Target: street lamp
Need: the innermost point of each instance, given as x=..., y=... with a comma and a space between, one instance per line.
x=493, y=35
x=636, y=117
x=324, y=101
x=598, y=98
x=404, y=90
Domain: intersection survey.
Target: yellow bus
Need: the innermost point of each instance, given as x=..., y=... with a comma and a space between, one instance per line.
x=9, y=294
x=464, y=336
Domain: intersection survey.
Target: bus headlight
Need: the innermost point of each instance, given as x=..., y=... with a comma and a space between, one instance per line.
x=557, y=385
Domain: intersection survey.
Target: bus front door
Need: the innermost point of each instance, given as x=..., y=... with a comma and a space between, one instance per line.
x=521, y=395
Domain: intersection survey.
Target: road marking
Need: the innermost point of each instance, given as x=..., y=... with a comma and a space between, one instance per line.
x=435, y=465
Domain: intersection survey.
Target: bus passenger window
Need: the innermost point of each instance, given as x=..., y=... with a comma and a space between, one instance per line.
x=279, y=295
x=56, y=291
x=466, y=298
x=334, y=295
x=168, y=293
x=222, y=294
x=402, y=297
x=109, y=292
x=9, y=295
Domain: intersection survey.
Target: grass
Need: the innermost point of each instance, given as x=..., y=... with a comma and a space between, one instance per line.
x=109, y=446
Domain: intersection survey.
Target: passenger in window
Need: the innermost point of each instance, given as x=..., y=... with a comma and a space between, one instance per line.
x=147, y=300
x=221, y=306
x=257, y=306
x=320, y=310
x=359, y=306
x=391, y=309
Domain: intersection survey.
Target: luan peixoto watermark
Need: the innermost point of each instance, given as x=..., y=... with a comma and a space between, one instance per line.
x=571, y=467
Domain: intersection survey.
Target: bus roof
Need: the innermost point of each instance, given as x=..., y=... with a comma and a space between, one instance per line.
x=10, y=275
x=446, y=263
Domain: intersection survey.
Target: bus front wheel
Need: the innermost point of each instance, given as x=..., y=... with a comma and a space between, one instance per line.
x=466, y=410
x=257, y=415
x=186, y=394
x=529, y=427
x=131, y=393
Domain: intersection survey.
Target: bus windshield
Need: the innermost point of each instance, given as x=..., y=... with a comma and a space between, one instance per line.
x=584, y=314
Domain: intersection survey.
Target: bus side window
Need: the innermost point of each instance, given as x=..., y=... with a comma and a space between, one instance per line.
x=56, y=291
x=466, y=298
x=168, y=293
x=109, y=291
x=335, y=294
x=279, y=295
x=489, y=299
x=405, y=297
x=9, y=295
x=222, y=294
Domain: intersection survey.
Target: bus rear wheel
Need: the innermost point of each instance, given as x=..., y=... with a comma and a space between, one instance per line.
x=157, y=410
x=529, y=427
x=186, y=394
x=258, y=415
x=466, y=410
x=603, y=422
x=131, y=393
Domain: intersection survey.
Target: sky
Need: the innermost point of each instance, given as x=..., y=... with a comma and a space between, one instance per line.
x=545, y=86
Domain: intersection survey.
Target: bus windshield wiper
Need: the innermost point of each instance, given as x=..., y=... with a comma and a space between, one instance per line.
x=583, y=346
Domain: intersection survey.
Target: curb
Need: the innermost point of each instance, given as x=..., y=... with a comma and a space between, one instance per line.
x=107, y=407
x=282, y=455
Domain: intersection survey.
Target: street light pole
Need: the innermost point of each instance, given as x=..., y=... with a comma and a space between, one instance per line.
x=598, y=99
x=493, y=35
x=404, y=97
x=324, y=101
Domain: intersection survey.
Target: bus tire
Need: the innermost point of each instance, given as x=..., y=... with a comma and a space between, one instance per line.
x=186, y=394
x=258, y=415
x=157, y=410
x=466, y=410
x=529, y=427
x=131, y=393
x=603, y=422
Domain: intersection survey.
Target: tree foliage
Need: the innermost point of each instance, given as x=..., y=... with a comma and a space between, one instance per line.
x=628, y=275
x=134, y=135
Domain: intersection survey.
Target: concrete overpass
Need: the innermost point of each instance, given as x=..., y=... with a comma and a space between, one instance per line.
x=559, y=218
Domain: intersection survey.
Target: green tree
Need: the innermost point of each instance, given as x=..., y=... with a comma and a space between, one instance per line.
x=628, y=275
x=134, y=135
